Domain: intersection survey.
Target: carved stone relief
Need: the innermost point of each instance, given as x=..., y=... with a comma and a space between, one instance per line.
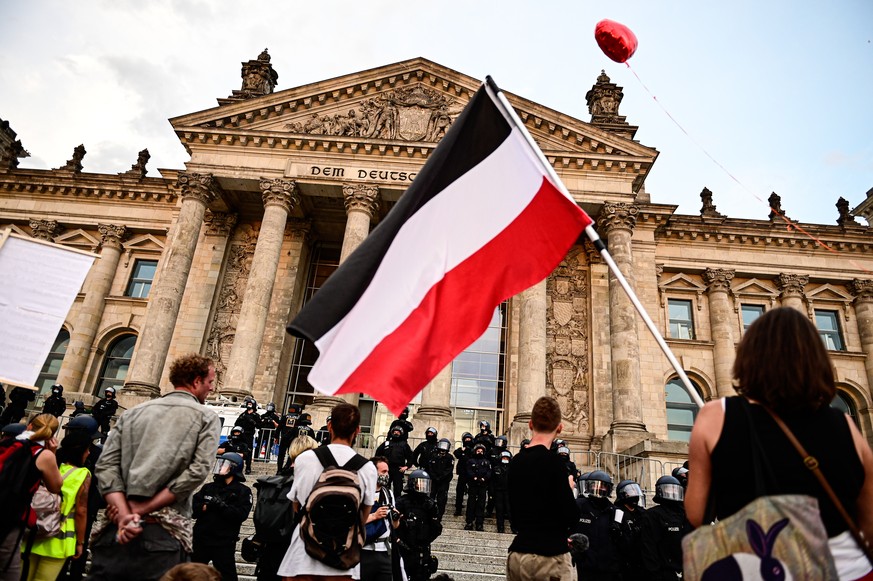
x=239, y=263
x=411, y=114
x=567, y=377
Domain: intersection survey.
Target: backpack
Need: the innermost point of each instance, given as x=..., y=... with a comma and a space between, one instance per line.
x=47, y=507
x=274, y=515
x=19, y=478
x=331, y=526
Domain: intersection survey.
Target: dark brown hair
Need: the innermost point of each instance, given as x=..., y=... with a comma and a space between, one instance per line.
x=192, y=572
x=545, y=415
x=344, y=420
x=187, y=368
x=782, y=363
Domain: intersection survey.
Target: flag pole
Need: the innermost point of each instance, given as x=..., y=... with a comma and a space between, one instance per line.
x=512, y=117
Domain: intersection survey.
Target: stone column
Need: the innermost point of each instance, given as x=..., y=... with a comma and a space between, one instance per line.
x=863, y=291
x=45, y=229
x=722, y=323
x=791, y=287
x=96, y=289
x=279, y=197
x=362, y=203
x=533, y=312
x=435, y=409
x=617, y=221
x=197, y=191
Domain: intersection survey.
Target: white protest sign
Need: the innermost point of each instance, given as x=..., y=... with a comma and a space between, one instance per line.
x=38, y=283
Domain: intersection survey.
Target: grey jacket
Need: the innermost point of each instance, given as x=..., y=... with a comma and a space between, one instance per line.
x=166, y=442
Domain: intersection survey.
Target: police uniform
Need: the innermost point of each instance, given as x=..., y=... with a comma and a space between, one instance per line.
x=399, y=455
x=55, y=404
x=249, y=421
x=419, y=526
x=462, y=454
x=238, y=445
x=269, y=425
x=440, y=467
x=103, y=411
x=19, y=397
x=630, y=541
x=663, y=528
x=478, y=474
x=220, y=510
x=602, y=560
x=500, y=492
x=287, y=432
x=424, y=452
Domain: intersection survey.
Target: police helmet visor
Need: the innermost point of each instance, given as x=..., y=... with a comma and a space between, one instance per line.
x=443, y=446
x=671, y=492
x=596, y=488
x=629, y=491
x=223, y=467
x=420, y=485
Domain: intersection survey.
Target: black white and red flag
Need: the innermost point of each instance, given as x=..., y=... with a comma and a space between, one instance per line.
x=481, y=222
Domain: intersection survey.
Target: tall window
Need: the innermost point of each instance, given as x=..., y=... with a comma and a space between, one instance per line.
x=750, y=313
x=844, y=404
x=52, y=366
x=141, y=279
x=681, y=321
x=478, y=378
x=681, y=411
x=829, y=329
x=116, y=363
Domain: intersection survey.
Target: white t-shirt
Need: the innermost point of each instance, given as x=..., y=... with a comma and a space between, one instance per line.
x=307, y=469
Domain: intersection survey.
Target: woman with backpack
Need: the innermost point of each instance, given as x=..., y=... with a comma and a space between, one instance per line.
x=24, y=461
x=49, y=553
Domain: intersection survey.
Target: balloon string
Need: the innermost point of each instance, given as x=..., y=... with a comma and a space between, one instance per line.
x=789, y=223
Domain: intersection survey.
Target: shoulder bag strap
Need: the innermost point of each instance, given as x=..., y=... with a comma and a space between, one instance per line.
x=325, y=456
x=812, y=465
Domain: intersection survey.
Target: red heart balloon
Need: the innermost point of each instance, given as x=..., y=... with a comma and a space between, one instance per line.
x=616, y=40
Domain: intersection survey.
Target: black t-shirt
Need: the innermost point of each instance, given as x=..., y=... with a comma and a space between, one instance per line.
x=825, y=434
x=541, y=502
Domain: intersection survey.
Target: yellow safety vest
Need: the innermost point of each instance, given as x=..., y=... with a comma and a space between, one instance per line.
x=64, y=544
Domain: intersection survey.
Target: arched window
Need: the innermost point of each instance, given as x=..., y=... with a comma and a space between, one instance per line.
x=52, y=367
x=116, y=363
x=681, y=410
x=843, y=403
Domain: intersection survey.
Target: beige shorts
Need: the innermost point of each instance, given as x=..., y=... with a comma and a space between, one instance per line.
x=530, y=567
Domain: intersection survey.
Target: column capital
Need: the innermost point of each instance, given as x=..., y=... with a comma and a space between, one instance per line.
x=617, y=216
x=219, y=223
x=45, y=229
x=197, y=186
x=279, y=192
x=111, y=235
x=718, y=279
x=791, y=285
x=862, y=289
x=361, y=198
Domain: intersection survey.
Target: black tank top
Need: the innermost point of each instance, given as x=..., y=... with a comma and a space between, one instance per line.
x=825, y=434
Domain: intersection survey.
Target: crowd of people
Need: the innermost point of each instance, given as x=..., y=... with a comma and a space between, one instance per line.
x=331, y=513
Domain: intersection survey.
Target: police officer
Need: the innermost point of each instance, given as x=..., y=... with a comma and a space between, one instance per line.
x=628, y=496
x=681, y=474
x=485, y=437
x=399, y=455
x=19, y=397
x=403, y=423
x=235, y=443
x=500, y=488
x=564, y=454
x=78, y=409
x=267, y=434
x=287, y=431
x=440, y=467
x=500, y=443
x=419, y=526
x=322, y=436
x=478, y=477
x=249, y=421
x=220, y=508
x=602, y=560
x=55, y=404
x=663, y=527
x=462, y=454
x=425, y=450
x=104, y=409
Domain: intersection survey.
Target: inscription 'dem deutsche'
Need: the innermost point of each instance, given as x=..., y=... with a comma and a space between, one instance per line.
x=351, y=173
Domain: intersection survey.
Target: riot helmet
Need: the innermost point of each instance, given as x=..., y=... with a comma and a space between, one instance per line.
x=430, y=434
x=557, y=443
x=418, y=481
x=229, y=463
x=58, y=389
x=466, y=438
x=628, y=492
x=251, y=405
x=109, y=392
x=500, y=442
x=564, y=452
x=484, y=426
x=443, y=446
x=304, y=420
x=597, y=484
x=83, y=422
x=479, y=450
x=236, y=432
x=79, y=405
x=668, y=488
x=505, y=457
x=525, y=443
x=396, y=434
x=681, y=474
x=271, y=407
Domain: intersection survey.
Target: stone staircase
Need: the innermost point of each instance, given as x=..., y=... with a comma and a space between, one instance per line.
x=464, y=555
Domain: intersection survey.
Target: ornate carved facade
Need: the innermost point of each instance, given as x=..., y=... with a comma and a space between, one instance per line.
x=298, y=177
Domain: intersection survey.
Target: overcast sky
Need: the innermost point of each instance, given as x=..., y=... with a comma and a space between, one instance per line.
x=778, y=92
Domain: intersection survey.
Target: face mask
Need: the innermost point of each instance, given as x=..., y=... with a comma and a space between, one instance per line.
x=383, y=480
x=504, y=461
